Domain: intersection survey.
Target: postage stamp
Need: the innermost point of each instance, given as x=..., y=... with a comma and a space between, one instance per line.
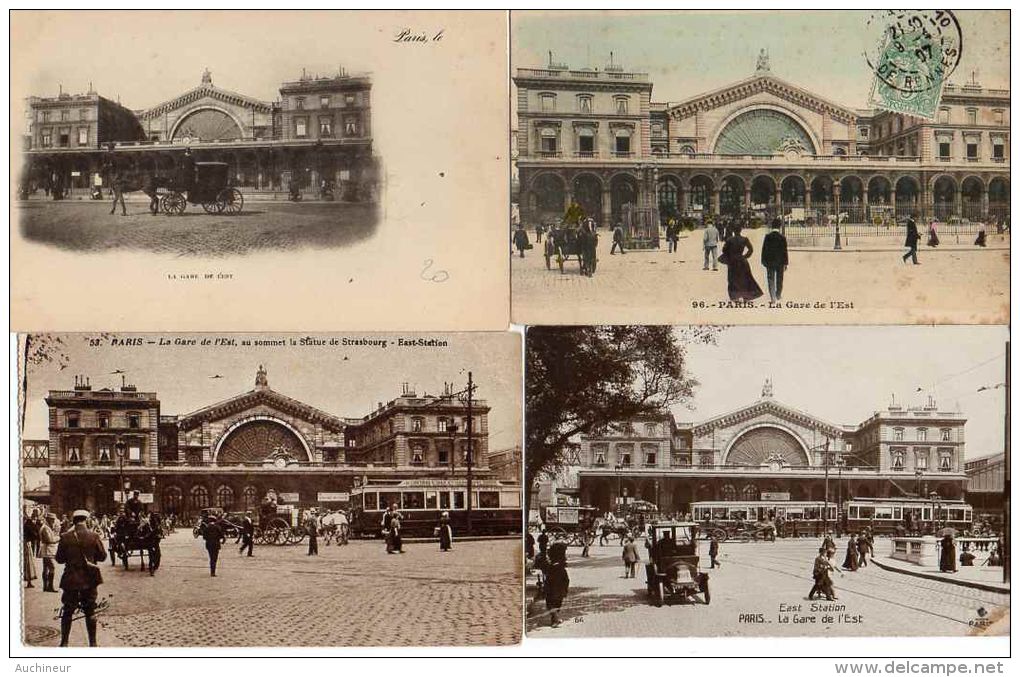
x=916, y=53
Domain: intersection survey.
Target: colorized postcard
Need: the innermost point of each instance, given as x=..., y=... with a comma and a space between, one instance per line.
x=767, y=482
x=270, y=490
x=296, y=156
x=760, y=167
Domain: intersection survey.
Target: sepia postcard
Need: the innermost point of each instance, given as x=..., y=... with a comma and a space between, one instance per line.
x=296, y=169
x=270, y=490
x=760, y=167
x=767, y=482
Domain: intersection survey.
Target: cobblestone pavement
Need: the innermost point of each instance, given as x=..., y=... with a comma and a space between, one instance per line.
x=962, y=284
x=757, y=585
x=355, y=595
x=88, y=226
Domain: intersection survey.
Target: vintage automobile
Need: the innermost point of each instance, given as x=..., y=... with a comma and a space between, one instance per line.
x=672, y=571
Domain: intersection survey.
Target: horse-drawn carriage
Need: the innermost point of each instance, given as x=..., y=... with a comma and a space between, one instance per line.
x=211, y=189
x=572, y=525
x=134, y=536
x=673, y=569
x=572, y=241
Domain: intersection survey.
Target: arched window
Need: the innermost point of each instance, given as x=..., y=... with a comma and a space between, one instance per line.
x=251, y=497
x=199, y=497
x=729, y=492
x=224, y=497
x=173, y=500
x=749, y=493
x=687, y=149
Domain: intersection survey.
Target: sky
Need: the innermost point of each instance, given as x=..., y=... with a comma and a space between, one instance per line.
x=845, y=374
x=687, y=53
x=318, y=376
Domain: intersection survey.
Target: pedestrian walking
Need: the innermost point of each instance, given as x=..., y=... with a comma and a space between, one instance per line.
x=982, y=238
x=79, y=549
x=672, y=235
x=29, y=548
x=396, y=537
x=710, y=241
x=539, y=229
x=863, y=548
x=713, y=552
x=312, y=527
x=521, y=240
x=557, y=582
x=741, y=284
x=775, y=257
x=389, y=516
x=445, y=533
x=529, y=545
x=947, y=558
x=49, y=537
x=214, y=538
x=247, y=534
x=822, y=574
x=933, y=236
x=850, y=562
x=911, y=241
x=630, y=558
x=617, y=239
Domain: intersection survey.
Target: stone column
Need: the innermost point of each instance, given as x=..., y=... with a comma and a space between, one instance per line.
x=607, y=208
x=715, y=201
x=747, y=198
x=958, y=206
x=984, y=203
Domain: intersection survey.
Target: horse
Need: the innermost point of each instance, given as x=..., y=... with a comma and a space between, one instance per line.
x=149, y=184
x=335, y=525
x=607, y=529
x=129, y=536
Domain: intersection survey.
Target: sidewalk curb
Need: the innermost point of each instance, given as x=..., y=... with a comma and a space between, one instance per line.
x=987, y=587
x=898, y=250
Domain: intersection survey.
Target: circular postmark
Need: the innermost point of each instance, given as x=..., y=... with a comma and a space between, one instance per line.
x=914, y=50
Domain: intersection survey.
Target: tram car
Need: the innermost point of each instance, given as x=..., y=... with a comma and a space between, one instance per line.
x=747, y=519
x=495, y=506
x=906, y=516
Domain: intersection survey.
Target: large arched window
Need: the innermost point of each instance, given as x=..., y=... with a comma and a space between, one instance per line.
x=199, y=497
x=224, y=497
x=749, y=492
x=173, y=500
x=251, y=497
x=763, y=132
x=729, y=492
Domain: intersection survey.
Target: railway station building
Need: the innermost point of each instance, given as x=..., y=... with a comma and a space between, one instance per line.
x=319, y=129
x=761, y=145
x=767, y=450
x=230, y=453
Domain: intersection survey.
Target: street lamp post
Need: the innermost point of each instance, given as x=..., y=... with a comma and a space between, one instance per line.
x=121, y=448
x=934, y=497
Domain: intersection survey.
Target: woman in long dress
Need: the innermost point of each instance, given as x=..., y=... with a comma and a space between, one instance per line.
x=740, y=282
x=933, y=236
x=947, y=559
x=445, y=532
x=31, y=537
x=850, y=562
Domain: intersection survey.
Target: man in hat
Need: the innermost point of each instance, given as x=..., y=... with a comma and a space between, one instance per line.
x=186, y=172
x=247, y=534
x=775, y=258
x=214, y=537
x=78, y=550
x=389, y=516
x=912, y=239
x=312, y=527
x=134, y=505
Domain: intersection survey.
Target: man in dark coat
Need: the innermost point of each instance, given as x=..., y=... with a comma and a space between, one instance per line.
x=557, y=581
x=713, y=552
x=214, y=537
x=186, y=172
x=617, y=239
x=543, y=541
x=947, y=559
x=912, y=240
x=78, y=550
x=247, y=534
x=775, y=258
x=521, y=239
x=134, y=505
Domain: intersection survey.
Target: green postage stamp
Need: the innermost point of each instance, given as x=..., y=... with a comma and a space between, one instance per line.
x=916, y=52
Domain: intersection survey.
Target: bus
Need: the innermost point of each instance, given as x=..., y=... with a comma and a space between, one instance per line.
x=495, y=506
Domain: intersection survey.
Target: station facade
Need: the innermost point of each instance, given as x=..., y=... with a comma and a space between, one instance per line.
x=230, y=453
x=761, y=145
x=320, y=129
x=770, y=451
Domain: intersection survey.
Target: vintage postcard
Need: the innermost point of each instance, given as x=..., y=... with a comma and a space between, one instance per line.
x=358, y=157
x=760, y=167
x=270, y=490
x=767, y=481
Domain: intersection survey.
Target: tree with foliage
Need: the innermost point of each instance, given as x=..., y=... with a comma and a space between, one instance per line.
x=580, y=380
